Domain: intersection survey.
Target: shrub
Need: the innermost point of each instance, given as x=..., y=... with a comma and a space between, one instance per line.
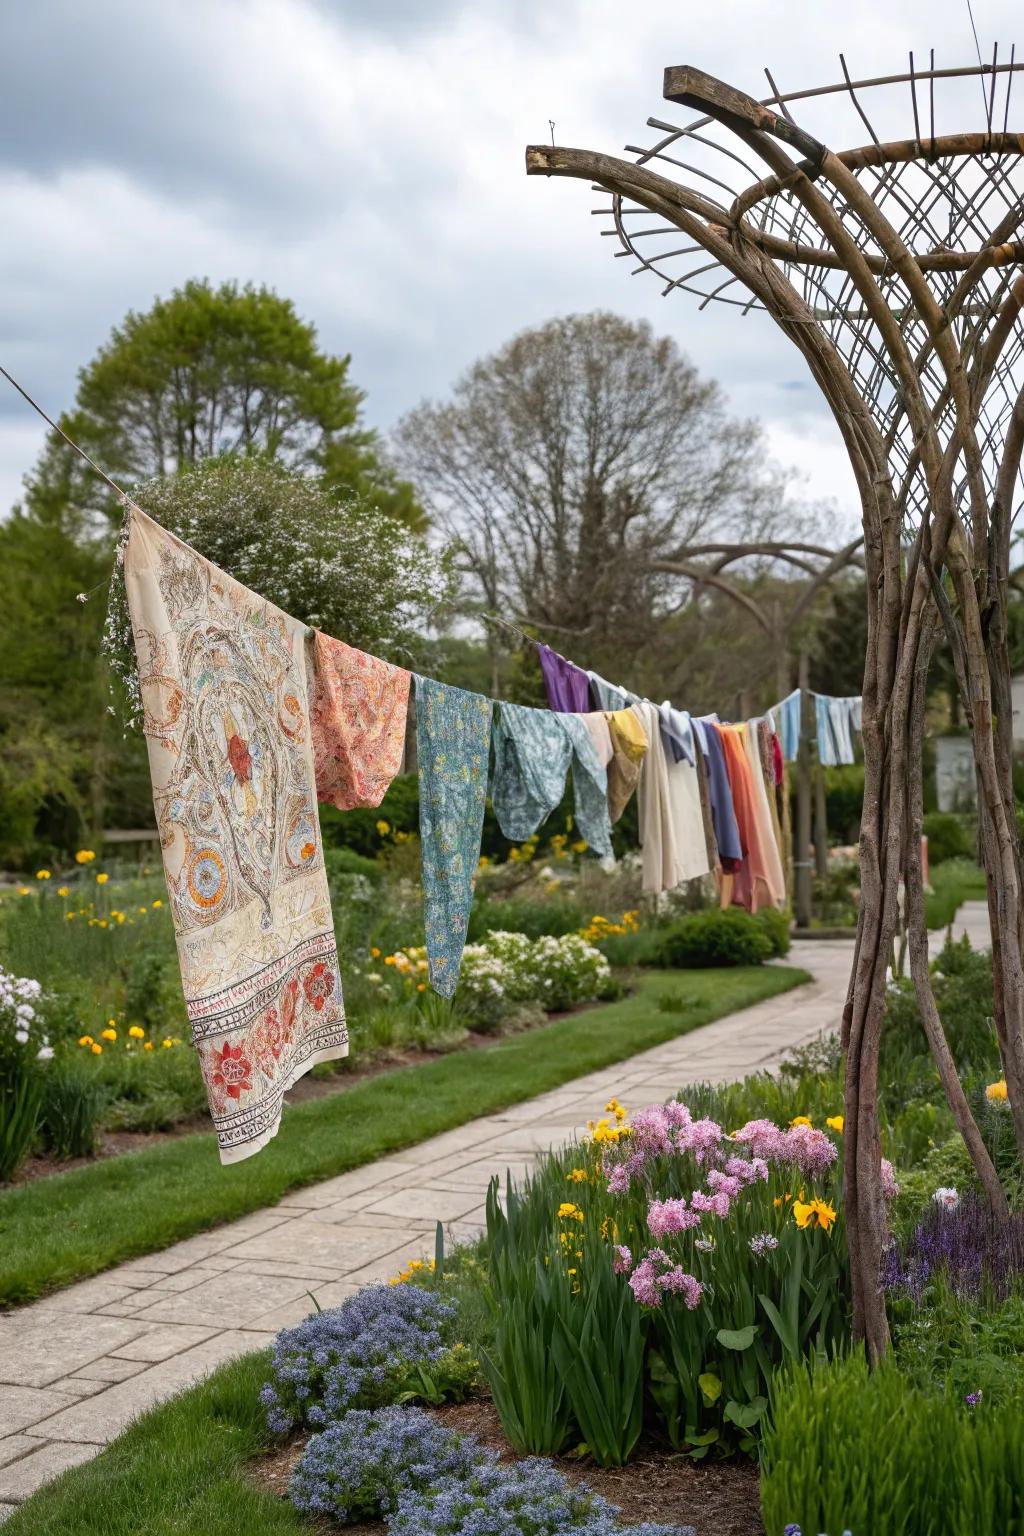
x=712, y=938
x=534, y=917
x=509, y=969
x=849, y=1450
x=355, y=1469
x=775, y=925
x=384, y=1341
x=72, y=1105
x=949, y=837
x=24, y=1045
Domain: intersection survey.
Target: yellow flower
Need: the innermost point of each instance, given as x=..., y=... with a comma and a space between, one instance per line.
x=374, y=952
x=577, y=1175
x=579, y=847
x=383, y=827
x=97, y=1049
x=42, y=874
x=84, y=856
x=483, y=862
x=137, y=1033
x=143, y=909
x=148, y=1045
x=421, y=986
x=569, y=1212
x=514, y=854
x=166, y=1042
x=389, y=959
x=63, y=890
x=158, y=903
x=23, y=890
x=108, y=1034
x=69, y=916
x=815, y=1213
x=800, y=1120
x=777, y=1201
x=996, y=1092
x=102, y=922
x=85, y=1040
x=835, y=1123
x=102, y=878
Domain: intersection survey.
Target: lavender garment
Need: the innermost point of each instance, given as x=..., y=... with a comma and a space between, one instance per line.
x=676, y=734
x=723, y=814
x=568, y=686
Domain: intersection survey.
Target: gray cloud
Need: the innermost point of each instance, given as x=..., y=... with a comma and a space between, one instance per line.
x=366, y=159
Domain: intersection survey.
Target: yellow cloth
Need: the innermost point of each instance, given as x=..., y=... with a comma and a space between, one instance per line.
x=629, y=748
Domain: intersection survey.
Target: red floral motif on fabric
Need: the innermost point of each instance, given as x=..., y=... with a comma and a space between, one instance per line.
x=232, y=1070
x=318, y=985
x=357, y=716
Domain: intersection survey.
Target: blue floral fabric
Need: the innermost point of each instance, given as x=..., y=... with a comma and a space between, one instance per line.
x=533, y=750
x=453, y=739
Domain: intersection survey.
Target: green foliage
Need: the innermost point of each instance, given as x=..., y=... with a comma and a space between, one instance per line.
x=219, y=371
x=712, y=938
x=844, y=796
x=949, y=837
x=532, y=915
x=954, y=882
x=21, y=1096
x=73, y=1102
x=357, y=829
x=962, y=984
x=776, y=926
x=970, y=1346
x=849, y=1450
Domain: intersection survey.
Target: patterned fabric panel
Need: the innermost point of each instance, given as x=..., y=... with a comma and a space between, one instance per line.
x=453, y=740
x=223, y=685
x=358, y=709
x=531, y=760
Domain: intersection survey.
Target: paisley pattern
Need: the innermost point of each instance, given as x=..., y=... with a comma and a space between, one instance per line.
x=223, y=686
x=453, y=740
x=358, y=708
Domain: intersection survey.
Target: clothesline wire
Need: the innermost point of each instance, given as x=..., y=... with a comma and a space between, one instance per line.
x=492, y=618
x=61, y=433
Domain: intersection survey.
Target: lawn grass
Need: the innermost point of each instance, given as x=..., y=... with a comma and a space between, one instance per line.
x=64, y=1228
x=953, y=882
x=179, y=1470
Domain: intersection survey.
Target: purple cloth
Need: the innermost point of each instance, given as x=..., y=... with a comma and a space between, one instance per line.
x=568, y=686
x=723, y=814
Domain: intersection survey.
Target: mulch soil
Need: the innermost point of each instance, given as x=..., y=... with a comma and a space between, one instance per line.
x=718, y=1498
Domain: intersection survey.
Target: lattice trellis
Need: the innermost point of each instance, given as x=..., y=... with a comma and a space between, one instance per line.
x=950, y=190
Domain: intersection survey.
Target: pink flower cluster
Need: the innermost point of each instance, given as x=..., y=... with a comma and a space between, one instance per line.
x=665, y=1217
x=890, y=1188
x=657, y=1274
x=806, y=1148
x=661, y=1130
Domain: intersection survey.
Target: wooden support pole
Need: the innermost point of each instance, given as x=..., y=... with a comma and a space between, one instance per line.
x=802, y=851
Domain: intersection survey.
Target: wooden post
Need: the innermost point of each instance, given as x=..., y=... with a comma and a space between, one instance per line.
x=802, y=852
x=820, y=824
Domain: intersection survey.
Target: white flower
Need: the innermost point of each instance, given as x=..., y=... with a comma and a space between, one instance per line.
x=44, y=1053
x=21, y=1035
x=947, y=1197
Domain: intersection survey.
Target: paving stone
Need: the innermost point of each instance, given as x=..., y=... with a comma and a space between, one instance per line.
x=22, y=1406
x=87, y=1296
x=427, y=1202
x=6, y=1511
x=184, y=1279
x=228, y=1298
x=21, y=1478
x=102, y=1417
x=161, y=1340
x=310, y=1240
x=39, y=1348
x=13, y=1446
x=108, y=1369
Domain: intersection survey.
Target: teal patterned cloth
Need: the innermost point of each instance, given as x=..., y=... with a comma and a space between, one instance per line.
x=453, y=740
x=533, y=750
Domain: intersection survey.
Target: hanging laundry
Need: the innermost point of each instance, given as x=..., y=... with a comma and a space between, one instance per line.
x=531, y=759
x=568, y=686
x=768, y=745
x=723, y=813
x=787, y=722
x=225, y=714
x=677, y=734
x=589, y=786
x=629, y=744
x=607, y=696
x=453, y=740
x=672, y=839
x=759, y=879
x=834, y=724
x=358, y=709
x=597, y=724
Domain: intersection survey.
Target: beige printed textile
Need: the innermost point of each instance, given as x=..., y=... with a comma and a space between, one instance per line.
x=226, y=718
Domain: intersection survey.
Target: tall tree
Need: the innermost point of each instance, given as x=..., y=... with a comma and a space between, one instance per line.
x=572, y=459
x=214, y=371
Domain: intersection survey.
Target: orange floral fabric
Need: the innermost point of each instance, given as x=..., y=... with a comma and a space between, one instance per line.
x=358, y=712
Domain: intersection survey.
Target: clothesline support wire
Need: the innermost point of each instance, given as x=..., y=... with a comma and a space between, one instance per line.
x=56, y=427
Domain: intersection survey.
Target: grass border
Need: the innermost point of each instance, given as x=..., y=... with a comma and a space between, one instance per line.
x=70, y=1226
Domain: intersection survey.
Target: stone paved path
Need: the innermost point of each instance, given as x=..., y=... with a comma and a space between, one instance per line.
x=76, y=1367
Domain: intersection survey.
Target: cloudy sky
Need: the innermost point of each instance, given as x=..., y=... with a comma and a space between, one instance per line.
x=365, y=158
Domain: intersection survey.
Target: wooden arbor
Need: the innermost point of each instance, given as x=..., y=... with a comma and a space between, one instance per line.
x=897, y=270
